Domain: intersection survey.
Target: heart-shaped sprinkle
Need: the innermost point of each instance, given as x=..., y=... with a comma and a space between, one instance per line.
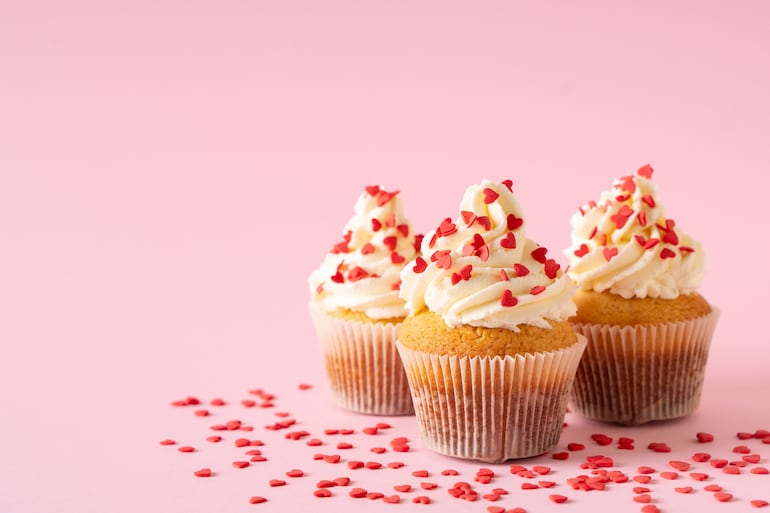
x=514, y=222
x=648, y=200
x=509, y=241
x=396, y=258
x=504, y=275
x=204, y=472
x=581, y=251
x=403, y=229
x=539, y=254
x=419, y=265
x=447, y=227
x=627, y=184
x=383, y=197
x=723, y=496
x=537, y=289
x=508, y=184
x=609, y=253
x=256, y=499
x=520, y=270
x=372, y=190
x=277, y=482
x=443, y=259
x=642, y=218
x=367, y=249
x=490, y=195
x=667, y=253
x=468, y=216
x=645, y=171
x=484, y=222
x=758, y=503
x=508, y=299
x=551, y=268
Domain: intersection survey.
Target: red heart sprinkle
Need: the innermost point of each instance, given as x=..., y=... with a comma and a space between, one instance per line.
x=539, y=254
x=383, y=197
x=537, y=289
x=759, y=503
x=701, y=457
x=520, y=270
x=396, y=258
x=490, y=195
x=650, y=508
x=256, y=499
x=718, y=463
x=645, y=171
x=669, y=475
x=659, y=447
x=277, y=482
x=699, y=476
x=395, y=464
x=509, y=241
x=642, y=479
x=751, y=458
x=609, y=253
x=419, y=265
x=558, y=499
x=723, y=496
x=495, y=509
x=741, y=449
x=551, y=268
x=645, y=470
x=683, y=489
x=581, y=251
x=422, y=499
x=504, y=275
x=508, y=299
x=428, y=486
x=514, y=222
x=403, y=229
x=372, y=190
x=322, y=493
x=376, y=225
x=186, y=448
x=373, y=496
x=393, y=499
x=508, y=184
x=560, y=455
x=648, y=200
x=402, y=488
x=704, y=437
x=204, y=472
x=681, y=466
x=529, y=486
x=443, y=259
x=642, y=217
x=643, y=498
x=670, y=238
x=447, y=227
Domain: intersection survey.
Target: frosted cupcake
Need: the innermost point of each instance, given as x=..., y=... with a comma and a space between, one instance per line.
x=648, y=328
x=356, y=309
x=487, y=348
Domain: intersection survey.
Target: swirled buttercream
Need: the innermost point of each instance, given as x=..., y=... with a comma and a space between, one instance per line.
x=482, y=270
x=361, y=273
x=624, y=244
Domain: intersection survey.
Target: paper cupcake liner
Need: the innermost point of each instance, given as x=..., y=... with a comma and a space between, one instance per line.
x=636, y=374
x=363, y=368
x=491, y=408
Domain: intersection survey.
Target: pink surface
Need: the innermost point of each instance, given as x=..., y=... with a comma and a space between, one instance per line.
x=169, y=175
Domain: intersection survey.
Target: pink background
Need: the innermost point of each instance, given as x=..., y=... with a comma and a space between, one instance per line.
x=171, y=172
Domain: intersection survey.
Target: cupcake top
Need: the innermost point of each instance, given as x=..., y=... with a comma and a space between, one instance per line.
x=624, y=244
x=361, y=273
x=482, y=270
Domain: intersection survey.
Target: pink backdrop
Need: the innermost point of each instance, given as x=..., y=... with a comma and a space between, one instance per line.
x=171, y=172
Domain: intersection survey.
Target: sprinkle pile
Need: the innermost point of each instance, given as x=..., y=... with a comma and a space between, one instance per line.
x=371, y=462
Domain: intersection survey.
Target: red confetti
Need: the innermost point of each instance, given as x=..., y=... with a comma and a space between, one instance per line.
x=373, y=465
x=539, y=254
x=681, y=466
x=513, y=222
x=240, y=464
x=643, y=498
x=699, y=476
x=167, y=442
x=537, y=289
x=358, y=493
x=277, y=482
x=344, y=445
x=508, y=184
x=295, y=472
x=508, y=300
x=704, y=437
x=322, y=493
x=573, y=446
x=256, y=499
x=659, y=447
x=422, y=499
x=419, y=265
x=741, y=449
x=718, y=463
x=186, y=448
x=404, y=488
x=520, y=270
x=560, y=455
x=751, y=458
x=601, y=439
x=669, y=475
x=490, y=195
x=333, y=458
x=759, y=470
x=353, y=465
x=723, y=496
x=759, y=503
x=372, y=190
x=449, y=472
x=609, y=253
x=645, y=171
x=645, y=470
x=393, y=499
x=443, y=259
x=509, y=241
x=667, y=253
x=204, y=472
x=701, y=457
x=642, y=479
x=342, y=481
x=649, y=200
x=421, y=473
x=558, y=499
x=581, y=251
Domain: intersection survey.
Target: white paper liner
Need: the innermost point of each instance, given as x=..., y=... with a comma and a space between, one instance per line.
x=363, y=368
x=636, y=374
x=491, y=408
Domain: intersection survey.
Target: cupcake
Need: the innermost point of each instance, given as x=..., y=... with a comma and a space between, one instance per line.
x=648, y=328
x=487, y=348
x=356, y=308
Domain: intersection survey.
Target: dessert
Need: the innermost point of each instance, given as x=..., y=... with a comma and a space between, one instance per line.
x=487, y=348
x=648, y=328
x=356, y=308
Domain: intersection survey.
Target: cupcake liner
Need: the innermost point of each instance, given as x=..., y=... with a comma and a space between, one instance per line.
x=636, y=374
x=363, y=369
x=491, y=408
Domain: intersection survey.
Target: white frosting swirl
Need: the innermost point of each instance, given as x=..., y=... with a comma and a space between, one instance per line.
x=362, y=272
x=625, y=245
x=481, y=270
